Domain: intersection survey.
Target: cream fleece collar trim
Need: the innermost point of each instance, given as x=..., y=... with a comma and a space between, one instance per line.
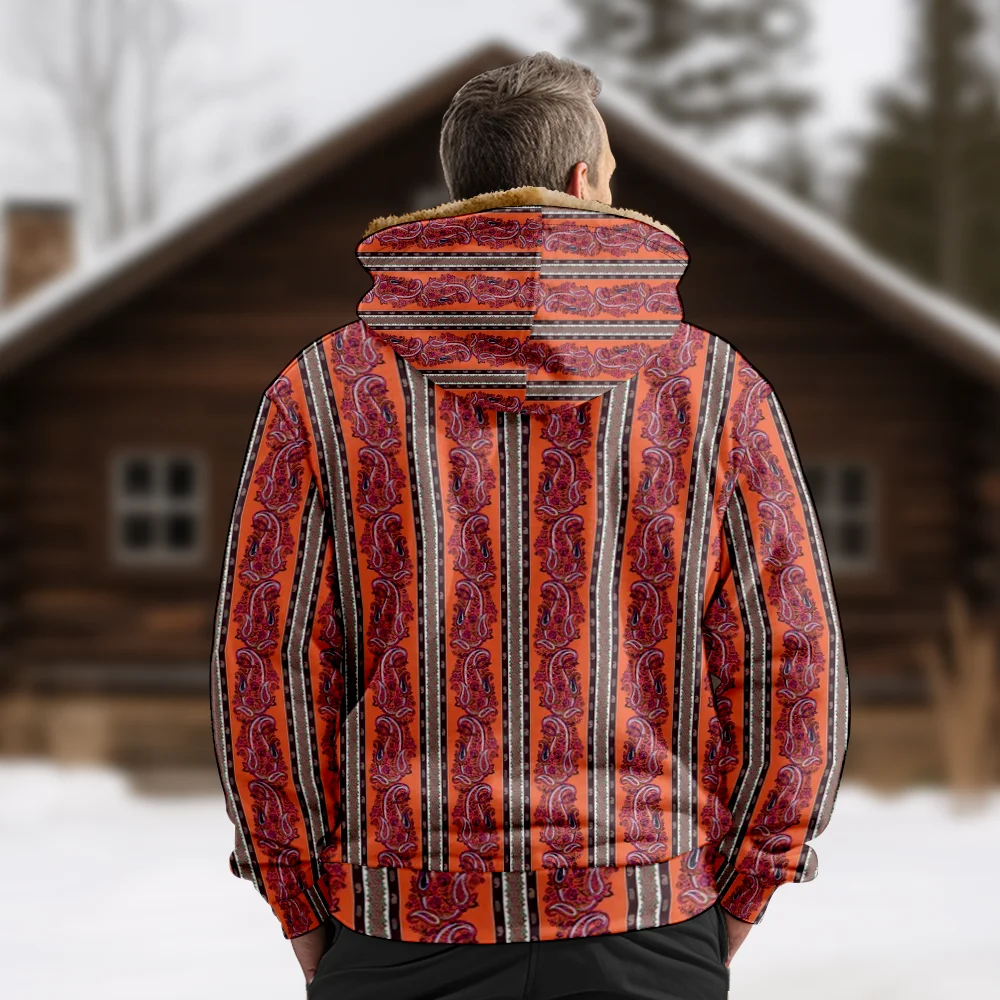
x=528, y=195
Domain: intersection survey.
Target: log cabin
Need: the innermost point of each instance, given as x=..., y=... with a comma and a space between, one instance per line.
x=129, y=388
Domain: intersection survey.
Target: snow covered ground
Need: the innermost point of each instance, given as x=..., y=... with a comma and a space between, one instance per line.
x=112, y=895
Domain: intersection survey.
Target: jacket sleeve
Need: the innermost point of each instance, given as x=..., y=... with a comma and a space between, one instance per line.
x=267, y=659
x=774, y=646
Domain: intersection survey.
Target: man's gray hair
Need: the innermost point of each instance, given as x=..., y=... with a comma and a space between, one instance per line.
x=527, y=123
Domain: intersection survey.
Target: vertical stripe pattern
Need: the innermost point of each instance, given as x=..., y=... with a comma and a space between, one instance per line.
x=526, y=628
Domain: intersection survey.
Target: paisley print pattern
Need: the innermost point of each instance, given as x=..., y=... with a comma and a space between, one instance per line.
x=270, y=809
x=525, y=629
x=474, y=615
x=573, y=895
x=782, y=543
x=661, y=483
x=389, y=676
x=568, y=297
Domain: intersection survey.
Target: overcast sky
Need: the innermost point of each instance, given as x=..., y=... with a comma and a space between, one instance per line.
x=313, y=64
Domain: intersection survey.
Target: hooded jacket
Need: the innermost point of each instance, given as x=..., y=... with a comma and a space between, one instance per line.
x=526, y=628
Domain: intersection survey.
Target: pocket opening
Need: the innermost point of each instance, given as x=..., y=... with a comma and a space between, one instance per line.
x=723, y=933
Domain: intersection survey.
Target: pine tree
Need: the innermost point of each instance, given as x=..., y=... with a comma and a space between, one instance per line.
x=928, y=192
x=708, y=66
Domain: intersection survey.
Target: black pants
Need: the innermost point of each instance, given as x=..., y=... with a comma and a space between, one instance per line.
x=683, y=961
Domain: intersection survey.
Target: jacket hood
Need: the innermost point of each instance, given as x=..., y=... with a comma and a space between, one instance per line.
x=524, y=297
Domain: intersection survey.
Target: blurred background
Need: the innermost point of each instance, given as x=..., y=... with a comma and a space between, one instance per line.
x=182, y=187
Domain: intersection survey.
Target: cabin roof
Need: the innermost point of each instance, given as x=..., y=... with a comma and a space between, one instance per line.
x=968, y=338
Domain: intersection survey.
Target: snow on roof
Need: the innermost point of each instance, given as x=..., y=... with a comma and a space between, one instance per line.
x=796, y=229
x=106, y=278
x=967, y=337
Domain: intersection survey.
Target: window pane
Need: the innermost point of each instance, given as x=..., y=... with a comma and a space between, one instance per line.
x=853, y=538
x=853, y=488
x=180, y=531
x=137, y=531
x=816, y=481
x=180, y=478
x=138, y=476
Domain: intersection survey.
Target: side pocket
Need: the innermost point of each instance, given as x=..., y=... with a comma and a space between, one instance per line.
x=334, y=935
x=723, y=933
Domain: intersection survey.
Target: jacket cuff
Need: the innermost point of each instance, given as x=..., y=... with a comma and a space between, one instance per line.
x=301, y=913
x=736, y=904
x=751, y=890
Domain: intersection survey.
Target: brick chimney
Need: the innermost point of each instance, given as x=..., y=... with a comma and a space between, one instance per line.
x=37, y=245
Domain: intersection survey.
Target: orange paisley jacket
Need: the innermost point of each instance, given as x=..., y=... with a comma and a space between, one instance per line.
x=526, y=629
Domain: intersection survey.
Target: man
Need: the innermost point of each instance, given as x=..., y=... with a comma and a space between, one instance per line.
x=526, y=633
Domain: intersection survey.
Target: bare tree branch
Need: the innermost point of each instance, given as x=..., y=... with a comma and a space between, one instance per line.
x=107, y=64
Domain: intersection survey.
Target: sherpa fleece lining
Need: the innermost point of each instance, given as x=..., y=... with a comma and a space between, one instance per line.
x=528, y=195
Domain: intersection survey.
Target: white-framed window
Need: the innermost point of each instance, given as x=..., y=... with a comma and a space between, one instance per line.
x=158, y=499
x=845, y=492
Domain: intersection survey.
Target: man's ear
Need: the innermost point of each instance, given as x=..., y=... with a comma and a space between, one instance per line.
x=577, y=180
